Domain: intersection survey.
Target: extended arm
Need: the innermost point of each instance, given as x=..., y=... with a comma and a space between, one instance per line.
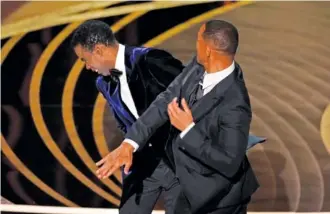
x=141, y=130
x=156, y=115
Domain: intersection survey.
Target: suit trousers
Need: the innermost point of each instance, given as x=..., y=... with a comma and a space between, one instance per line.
x=182, y=207
x=162, y=180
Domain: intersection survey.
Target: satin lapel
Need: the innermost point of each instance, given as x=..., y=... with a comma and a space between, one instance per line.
x=135, y=79
x=190, y=81
x=204, y=105
x=128, y=63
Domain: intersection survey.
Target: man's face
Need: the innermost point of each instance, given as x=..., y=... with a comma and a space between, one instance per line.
x=94, y=60
x=201, y=47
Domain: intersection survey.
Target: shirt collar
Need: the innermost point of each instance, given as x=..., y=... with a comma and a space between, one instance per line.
x=120, y=58
x=216, y=77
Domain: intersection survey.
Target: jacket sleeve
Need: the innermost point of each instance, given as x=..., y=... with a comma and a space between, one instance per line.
x=225, y=151
x=156, y=115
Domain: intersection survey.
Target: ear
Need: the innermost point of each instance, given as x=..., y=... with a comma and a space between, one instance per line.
x=208, y=51
x=98, y=49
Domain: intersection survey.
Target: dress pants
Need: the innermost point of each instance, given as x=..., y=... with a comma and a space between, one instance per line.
x=161, y=180
x=182, y=207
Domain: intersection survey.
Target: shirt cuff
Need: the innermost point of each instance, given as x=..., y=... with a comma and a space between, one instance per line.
x=132, y=143
x=184, y=132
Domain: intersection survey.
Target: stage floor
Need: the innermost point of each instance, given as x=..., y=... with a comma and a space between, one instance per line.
x=50, y=105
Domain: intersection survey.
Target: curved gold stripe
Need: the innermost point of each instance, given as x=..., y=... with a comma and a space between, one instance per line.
x=325, y=128
x=10, y=45
x=34, y=99
x=99, y=107
x=9, y=153
x=33, y=12
x=13, y=29
x=67, y=104
x=198, y=19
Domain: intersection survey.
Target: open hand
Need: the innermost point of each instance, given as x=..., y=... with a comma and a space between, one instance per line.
x=123, y=155
x=179, y=118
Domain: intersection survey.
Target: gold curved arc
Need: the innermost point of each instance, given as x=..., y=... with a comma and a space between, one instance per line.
x=24, y=170
x=195, y=20
x=34, y=100
x=23, y=15
x=325, y=128
x=67, y=106
x=10, y=44
x=100, y=103
x=13, y=29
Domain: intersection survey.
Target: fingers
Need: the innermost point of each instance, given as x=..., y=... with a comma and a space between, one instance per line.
x=173, y=107
x=101, y=161
x=103, y=170
x=111, y=171
x=170, y=109
x=128, y=165
x=185, y=106
x=107, y=169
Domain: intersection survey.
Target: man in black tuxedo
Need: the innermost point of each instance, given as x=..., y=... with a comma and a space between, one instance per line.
x=130, y=78
x=209, y=108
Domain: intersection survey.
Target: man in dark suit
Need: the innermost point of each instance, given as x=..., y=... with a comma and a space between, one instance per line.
x=209, y=109
x=130, y=78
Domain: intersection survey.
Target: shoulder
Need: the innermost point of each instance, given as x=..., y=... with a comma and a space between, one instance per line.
x=146, y=53
x=158, y=53
x=238, y=92
x=161, y=57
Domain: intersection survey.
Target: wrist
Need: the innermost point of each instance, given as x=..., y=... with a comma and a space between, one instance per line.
x=187, y=125
x=127, y=146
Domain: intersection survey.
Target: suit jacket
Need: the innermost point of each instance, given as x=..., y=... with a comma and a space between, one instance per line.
x=210, y=160
x=149, y=72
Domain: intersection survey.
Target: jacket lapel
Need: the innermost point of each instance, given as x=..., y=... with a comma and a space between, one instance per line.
x=204, y=105
x=135, y=78
x=190, y=81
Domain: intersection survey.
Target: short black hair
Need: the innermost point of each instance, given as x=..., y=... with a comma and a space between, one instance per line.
x=93, y=32
x=224, y=35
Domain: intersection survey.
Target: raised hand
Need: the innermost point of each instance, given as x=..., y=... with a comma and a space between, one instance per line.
x=179, y=118
x=121, y=156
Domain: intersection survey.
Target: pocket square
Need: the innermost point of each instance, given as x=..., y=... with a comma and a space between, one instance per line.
x=254, y=140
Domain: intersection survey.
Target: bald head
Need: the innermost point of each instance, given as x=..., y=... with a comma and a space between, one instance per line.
x=216, y=45
x=221, y=36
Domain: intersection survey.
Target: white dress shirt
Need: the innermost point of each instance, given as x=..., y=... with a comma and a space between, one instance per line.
x=209, y=81
x=125, y=92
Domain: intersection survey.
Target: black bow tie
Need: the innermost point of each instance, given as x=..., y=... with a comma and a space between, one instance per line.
x=114, y=75
x=115, y=72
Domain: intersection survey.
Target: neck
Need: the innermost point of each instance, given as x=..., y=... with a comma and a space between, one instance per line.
x=112, y=53
x=217, y=64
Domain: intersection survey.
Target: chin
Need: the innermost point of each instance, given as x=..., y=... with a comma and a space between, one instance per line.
x=104, y=73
